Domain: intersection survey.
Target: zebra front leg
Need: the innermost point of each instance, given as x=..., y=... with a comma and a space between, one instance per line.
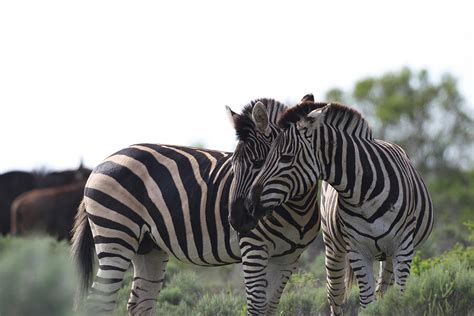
x=149, y=270
x=254, y=265
x=278, y=275
x=385, y=278
x=364, y=273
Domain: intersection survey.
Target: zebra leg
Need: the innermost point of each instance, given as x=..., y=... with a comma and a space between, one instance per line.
x=385, y=278
x=113, y=264
x=335, y=263
x=278, y=275
x=254, y=265
x=148, y=276
x=364, y=273
x=402, y=264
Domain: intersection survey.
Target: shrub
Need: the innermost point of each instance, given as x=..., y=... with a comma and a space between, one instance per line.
x=441, y=286
x=222, y=304
x=183, y=287
x=303, y=297
x=37, y=277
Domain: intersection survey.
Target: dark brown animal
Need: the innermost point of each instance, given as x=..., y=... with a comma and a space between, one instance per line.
x=48, y=211
x=14, y=183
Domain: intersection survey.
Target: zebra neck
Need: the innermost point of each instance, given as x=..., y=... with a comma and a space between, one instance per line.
x=348, y=168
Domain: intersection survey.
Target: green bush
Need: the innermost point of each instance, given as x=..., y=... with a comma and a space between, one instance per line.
x=184, y=287
x=37, y=277
x=222, y=304
x=441, y=286
x=303, y=296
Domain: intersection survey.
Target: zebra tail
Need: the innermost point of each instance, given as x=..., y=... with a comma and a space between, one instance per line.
x=348, y=280
x=82, y=253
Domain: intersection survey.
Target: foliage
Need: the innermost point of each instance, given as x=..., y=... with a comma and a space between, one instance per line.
x=184, y=287
x=439, y=286
x=306, y=295
x=36, y=276
x=221, y=304
x=303, y=297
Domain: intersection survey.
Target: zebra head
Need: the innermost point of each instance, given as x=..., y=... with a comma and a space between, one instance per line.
x=291, y=168
x=256, y=129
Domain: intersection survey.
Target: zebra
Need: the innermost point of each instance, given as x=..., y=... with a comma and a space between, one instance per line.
x=375, y=205
x=283, y=236
x=148, y=202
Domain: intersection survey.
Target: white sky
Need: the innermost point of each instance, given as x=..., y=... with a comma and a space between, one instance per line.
x=87, y=78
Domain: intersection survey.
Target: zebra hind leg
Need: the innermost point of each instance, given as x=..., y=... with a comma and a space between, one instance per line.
x=277, y=277
x=335, y=263
x=112, y=267
x=149, y=270
x=401, y=266
x=364, y=272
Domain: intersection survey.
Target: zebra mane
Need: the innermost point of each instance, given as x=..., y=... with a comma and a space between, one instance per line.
x=244, y=124
x=297, y=112
x=337, y=115
x=343, y=117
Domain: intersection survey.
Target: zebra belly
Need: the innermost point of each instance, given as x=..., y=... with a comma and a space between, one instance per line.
x=201, y=250
x=374, y=240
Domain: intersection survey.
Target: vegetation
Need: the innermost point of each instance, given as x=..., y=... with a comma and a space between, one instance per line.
x=427, y=118
x=38, y=279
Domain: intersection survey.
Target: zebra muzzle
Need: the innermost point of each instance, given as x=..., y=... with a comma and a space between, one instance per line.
x=257, y=210
x=240, y=218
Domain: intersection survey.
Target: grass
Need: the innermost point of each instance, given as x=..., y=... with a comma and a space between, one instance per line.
x=37, y=278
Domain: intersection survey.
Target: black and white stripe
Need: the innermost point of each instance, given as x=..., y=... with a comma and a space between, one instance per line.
x=147, y=202
x=378, y=207
x=296, y=223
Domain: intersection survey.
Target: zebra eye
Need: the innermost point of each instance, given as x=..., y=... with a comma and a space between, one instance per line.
x=286, y=158
x=257, y=164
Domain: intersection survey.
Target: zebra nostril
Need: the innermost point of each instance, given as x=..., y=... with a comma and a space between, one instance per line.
x=255, y=201
x=248, y=206
x=239, y=216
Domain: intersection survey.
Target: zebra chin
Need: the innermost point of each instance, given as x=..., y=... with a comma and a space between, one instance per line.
x=239, y=217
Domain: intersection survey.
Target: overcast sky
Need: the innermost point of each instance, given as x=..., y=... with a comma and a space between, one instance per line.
x=87, y=78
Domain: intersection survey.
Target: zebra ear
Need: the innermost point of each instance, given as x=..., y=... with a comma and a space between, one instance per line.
x=231, y=115
x=308, y=98
x=260, y=117
x=310, y=120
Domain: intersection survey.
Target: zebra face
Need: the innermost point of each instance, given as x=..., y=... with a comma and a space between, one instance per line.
x=248, y=159
x=290, y=170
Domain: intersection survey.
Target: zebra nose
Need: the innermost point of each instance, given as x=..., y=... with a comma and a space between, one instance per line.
x=240, y=218
x=255, y=195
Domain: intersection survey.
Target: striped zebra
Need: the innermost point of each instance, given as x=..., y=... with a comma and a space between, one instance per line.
x=375, y=204
x=282, y=237
x=147, y=202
